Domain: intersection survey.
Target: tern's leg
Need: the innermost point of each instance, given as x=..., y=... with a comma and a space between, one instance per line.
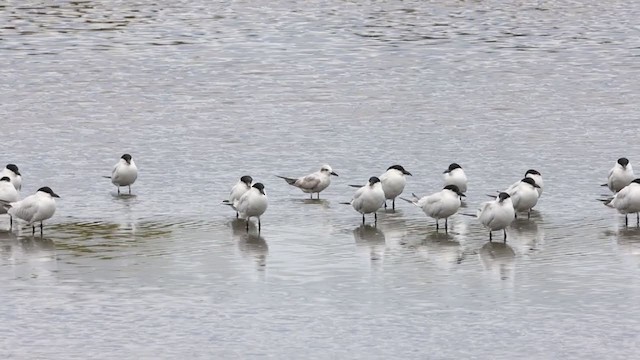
x=516, y=214
x=248, y=223
x=33, y=229
x=318, y=196
x=505, y=235
x=259, y=225
x=375, y=218
x=40, y=228
x=385, y=203
x=637, y=219
x=362, y=219
x=437, y=225
x=237, y=215
x=529, y=214
x=626, y=221
x=10, y=222
x=311, y=196
x=118, y=190
x=446, y=225
x=490, y=236
x=129, y=189
x=393, y=204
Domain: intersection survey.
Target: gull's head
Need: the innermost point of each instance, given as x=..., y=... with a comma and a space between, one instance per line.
x=452, y=167
x=399, y=168
x=455, y=189
x=13, y=168
x=532, y=172
x=623, y=162
x=373, y=180
x=247, y=180
x=326, y=169
x=260, y=188
x=47, y=190
x=5, y=178
x=530, y=181
x=503, y=196
x=127, y=158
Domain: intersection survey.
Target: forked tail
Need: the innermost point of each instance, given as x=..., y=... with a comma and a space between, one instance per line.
x=289, y=181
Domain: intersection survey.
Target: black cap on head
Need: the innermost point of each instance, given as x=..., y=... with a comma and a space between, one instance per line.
x=247, y=179
x=531, y=171
x=455, y=189
x=399, y=168
x=127, y=158
x=260, y=187
x=373, y=180
x=623, y=161
x=48, y=191
x=530, y=181
x=13, y=168
x=503, y=196
x=452, y=167
x=5, y=178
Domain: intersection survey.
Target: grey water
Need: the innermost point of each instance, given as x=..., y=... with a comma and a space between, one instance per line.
x=201, y=93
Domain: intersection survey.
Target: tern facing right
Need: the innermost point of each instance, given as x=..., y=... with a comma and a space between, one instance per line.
x=440, y=205
x=312, y=183
x=393, y=182
x=620, y=175
x=369, y=198
x=124, y=173
x=8, y=194
x=253, y=203
x=454, y=175
x=237, y=191
x=524, y=195
x=627, y=201
x=34, y=208
x=497, y=214
x=11, y=171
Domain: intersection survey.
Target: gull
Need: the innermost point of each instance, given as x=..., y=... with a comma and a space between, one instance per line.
x=124, y=173
x=536, y=176
x=627, y=201
x=312, y=183
x=11, y=171
x=237, y=191
x=37, y=207
x=369, y=198
x=440, y=205
x=253, y=203
x=620, y=175
x=454, y=175
x=8, y=194
x=497, y=214
x=524, y=195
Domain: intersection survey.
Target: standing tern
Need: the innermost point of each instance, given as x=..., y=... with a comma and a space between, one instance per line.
x=8, y=194
x=524, y=195
x=627, y=201
x=312, y=183
x=454, y=175
x=253, y=203
x=12, y=172
x=237, y=191
x=440, y=205
x=369, y=198
x=497, y=214
x=393, y=182
x=34, y=208
x=620, y=175
x=536, y=176
x=124, y=173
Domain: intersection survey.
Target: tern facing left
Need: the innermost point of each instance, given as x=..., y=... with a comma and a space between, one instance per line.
x=8, y=194
x=312, y=183
x=440, y=205
x=393, y=182
x=124, y=173
x=253, y=203
x=627, y=201
x=34, y=208
x=536, y=176
x=454, y=175
x=12, y=172
x=369, y=198
x=237, y=191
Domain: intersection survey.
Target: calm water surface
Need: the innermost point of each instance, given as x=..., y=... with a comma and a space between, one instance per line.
x=203, y=93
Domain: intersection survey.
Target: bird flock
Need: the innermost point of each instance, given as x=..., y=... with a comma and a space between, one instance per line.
x=249, y=199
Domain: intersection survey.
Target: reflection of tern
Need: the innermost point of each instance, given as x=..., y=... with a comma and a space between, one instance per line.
x=372, y=237
x=498, y=257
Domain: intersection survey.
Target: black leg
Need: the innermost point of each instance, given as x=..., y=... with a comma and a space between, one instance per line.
x=318, y=196
x=490, y=236
x=626, y=221
x=375, y=218
x=637, y=219
x=393, y=204
x=259, y=225
x=129, y=189
x=437, y=225
x=529, y=214
x=40, y=228
x=33, y=229
x=311, y=196
x=118, y=190
x=385, y=204
x=362, y=219
x=446, y=225
x=247, y=224
x=516, y=215
x=10, y=222
x=505, y=235
x=237, y=216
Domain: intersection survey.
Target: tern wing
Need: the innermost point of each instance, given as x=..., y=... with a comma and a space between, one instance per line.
x=25, y=209
x=308, y=182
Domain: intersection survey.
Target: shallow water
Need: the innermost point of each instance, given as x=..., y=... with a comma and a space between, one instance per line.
x=201, y=94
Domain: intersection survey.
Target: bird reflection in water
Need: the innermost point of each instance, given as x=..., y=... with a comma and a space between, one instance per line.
x=251, y=245
x=371, y=237
x=499, y=259
x=526, y=235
